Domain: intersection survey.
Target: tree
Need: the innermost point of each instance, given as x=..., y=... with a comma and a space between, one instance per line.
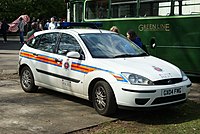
x=12, y=9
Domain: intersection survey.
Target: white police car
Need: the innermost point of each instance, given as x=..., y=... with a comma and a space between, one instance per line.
x=100, y=66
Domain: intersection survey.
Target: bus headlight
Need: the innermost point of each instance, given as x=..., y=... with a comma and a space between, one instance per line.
x=137, y=79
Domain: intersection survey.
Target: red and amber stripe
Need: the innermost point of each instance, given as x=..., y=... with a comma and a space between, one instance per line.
x=119, y=78
x=81, y=68
x=41, y=58
x=86, y=69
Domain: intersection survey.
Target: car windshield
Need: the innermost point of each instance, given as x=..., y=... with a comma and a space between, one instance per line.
x=110, y=45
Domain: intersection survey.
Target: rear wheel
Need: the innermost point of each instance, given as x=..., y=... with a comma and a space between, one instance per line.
x=103, y=98
x=27, y=80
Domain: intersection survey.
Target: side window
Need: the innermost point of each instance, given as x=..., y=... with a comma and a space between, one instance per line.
x=96, y=9
x=68, y=43
x=33, y=42
x=48, y=42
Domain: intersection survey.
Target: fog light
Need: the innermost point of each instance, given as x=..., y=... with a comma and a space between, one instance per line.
x=141, y=101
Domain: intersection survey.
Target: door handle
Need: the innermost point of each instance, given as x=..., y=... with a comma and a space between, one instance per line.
x=58, y=60
x=35, y=54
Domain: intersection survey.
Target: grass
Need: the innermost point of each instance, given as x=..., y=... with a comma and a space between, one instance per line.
x=183, y=119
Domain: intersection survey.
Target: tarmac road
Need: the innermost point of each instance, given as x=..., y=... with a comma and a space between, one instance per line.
x=44, y=112
x=9, y=56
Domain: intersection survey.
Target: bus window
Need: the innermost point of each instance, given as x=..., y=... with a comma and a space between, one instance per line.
x=77, y=12
x=164, y=8
x=148, y=9
x=191, y=7
x=123, y=9
x=96, y=9
x=187, y=7
x=128, y=8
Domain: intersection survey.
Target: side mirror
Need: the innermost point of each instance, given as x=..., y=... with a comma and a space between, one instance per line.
x=73, y=54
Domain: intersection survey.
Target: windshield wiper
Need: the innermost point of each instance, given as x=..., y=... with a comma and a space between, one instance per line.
x=124, y=55
x=142, y=54
x=130, y=55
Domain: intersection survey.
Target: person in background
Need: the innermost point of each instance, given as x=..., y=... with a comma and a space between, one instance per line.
x=52, y=24
x=33, y=19
x=131, y=35
x=4, y=30
x=40, y=25
x=34, y=29
x=114, y=29
x=46, y=25
x=21, y=30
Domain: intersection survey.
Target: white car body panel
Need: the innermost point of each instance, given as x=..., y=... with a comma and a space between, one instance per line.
x=76, y=79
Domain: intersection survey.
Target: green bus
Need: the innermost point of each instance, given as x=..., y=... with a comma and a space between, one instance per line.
x=170, y=29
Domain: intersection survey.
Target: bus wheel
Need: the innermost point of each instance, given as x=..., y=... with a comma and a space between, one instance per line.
x=103, y=98
x=27, y=80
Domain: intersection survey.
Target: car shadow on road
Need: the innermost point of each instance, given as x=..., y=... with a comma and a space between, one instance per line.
x=169, y=115
x=65, y=96
x=188, y=111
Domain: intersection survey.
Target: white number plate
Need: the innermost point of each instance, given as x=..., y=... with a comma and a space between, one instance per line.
x=169, y=92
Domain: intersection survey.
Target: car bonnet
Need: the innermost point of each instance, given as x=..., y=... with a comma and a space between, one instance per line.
x=149, y=67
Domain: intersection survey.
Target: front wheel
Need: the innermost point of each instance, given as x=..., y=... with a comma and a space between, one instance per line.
x=27, y=80
x=103, y=98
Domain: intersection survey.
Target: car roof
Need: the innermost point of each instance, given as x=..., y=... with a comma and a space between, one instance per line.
x=77, y=31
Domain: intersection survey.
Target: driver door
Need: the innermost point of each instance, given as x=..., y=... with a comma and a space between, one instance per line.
x=70, y=80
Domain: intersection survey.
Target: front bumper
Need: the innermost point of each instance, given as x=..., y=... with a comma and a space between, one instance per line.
x=150, y=96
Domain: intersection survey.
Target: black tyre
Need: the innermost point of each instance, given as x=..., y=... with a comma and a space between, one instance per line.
x=103, y=98
x=27, y=80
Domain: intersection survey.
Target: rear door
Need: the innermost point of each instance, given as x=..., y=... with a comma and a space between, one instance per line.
x=46, y=60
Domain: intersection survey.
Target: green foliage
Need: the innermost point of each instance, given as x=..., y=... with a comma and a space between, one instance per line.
x=12, y=9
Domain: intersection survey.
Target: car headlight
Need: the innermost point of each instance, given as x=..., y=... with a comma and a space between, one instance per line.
x=184, y=76
x=137, y=79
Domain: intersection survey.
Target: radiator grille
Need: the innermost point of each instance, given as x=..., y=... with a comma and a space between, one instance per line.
x=168, y=81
